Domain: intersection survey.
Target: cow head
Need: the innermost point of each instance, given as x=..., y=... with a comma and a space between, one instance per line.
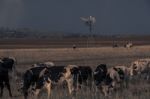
x=100, y=73
x=8, y=63
x=69, y=71
x=120, y=72
x=70, y=74
x=135, y=68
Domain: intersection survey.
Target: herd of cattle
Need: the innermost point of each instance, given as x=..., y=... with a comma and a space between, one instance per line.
x=47, y=76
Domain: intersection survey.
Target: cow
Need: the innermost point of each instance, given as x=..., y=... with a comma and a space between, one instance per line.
x=100, y=74
x=45, y=77
x=57, y=75
x=141, y=66
x=75, y=76
x=7, y=64
x=44, y=64
x=85, y=74
x=128, y=45
x=106, y=79
x=44, y=82
x=124, y=73
x=113, y=79
x=70, y=75
x=30, y=77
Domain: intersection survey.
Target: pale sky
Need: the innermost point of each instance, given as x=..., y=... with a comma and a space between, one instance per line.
x=113, y=16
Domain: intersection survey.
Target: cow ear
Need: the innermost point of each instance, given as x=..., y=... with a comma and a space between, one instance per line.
x=115, y=69
x=134, y=66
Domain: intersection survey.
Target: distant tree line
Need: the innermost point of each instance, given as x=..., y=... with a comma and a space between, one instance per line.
x=6, y=33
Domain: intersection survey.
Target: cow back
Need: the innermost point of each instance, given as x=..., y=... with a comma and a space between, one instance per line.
x=55, y=72
x=85, y=73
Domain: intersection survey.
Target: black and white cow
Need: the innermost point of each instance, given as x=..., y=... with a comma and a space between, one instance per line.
x=43, y=78
x=59, y=74
x=125, y=74
x=6, y=65
x=73, y=75
x=107, y=79
x=30, y=78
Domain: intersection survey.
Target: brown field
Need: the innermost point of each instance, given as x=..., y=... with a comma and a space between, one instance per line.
x=68, y=42
x=138, y=88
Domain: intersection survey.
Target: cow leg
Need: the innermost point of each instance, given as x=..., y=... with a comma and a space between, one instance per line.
x=104, y=90
x=2, y=87
x=48, y=90
x=25, y=90
x=71, y=88
x=90, y=83
x=126, y=82
x=148, y=76
x=25, y=95
x=9, y=89
x=37, y=91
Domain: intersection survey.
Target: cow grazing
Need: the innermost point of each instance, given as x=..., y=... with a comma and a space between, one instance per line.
x=106, y=79
x=43, y=83
x=50, y=77
x=6, y=65
x=124, y=73
x=141, y=66
x=72, y=74
x=56, y=75
x=30, y=78
x=113, y=79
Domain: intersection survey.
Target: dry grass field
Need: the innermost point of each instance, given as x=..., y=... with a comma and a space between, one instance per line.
x=68, y=42
x=138, y=88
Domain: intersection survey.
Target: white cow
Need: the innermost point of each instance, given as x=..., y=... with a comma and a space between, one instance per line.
x=128, y=45
x=141, y=66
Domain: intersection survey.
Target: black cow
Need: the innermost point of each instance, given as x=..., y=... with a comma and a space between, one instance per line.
x=85, y=76
x=100, y=74
x=6, y=65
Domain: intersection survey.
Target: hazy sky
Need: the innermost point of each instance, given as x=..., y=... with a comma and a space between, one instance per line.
x=113, y=16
